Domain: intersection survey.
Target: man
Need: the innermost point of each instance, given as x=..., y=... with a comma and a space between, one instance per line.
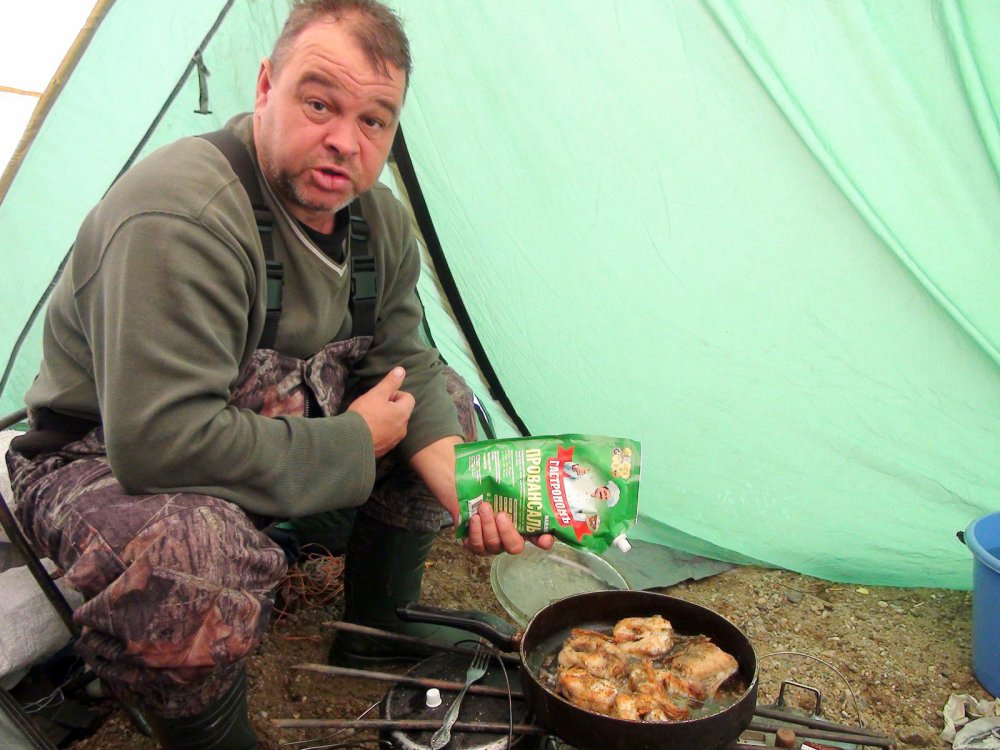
x=584, y=490
x=165, y=437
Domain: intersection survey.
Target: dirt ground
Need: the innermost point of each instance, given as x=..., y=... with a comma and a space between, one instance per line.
x=885, y=657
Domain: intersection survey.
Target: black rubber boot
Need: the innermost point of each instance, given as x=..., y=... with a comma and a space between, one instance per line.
x=322, y=533
x=383, y=569
x=224, y=725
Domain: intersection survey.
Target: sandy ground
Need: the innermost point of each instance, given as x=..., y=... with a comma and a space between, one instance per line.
x=885, y=658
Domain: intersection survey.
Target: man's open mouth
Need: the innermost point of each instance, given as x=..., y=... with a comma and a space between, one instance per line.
x=331, y=178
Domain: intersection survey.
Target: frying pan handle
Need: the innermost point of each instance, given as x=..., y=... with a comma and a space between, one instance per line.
x=501, y=634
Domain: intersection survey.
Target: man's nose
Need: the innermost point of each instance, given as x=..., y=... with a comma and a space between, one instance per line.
x=342, y=136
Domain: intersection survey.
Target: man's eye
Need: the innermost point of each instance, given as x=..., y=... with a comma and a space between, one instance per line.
x=374, y=123
x=316, y=106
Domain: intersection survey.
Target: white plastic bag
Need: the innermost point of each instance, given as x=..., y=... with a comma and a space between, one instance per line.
x=30, y=628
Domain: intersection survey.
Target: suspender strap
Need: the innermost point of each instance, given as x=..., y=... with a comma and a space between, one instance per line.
x=364, y=282
x=239, y=159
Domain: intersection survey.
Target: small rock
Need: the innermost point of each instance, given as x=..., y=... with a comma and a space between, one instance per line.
x=793, y=596
x=862, y=590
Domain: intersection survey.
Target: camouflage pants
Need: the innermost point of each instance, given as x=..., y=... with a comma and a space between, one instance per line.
x=178, y=587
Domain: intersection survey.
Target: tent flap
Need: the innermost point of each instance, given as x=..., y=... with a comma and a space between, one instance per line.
x=762, y=238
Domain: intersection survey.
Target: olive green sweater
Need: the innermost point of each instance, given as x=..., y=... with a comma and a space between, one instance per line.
x=162, y=303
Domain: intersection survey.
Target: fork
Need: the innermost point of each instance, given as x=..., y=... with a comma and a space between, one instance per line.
x=476, y=670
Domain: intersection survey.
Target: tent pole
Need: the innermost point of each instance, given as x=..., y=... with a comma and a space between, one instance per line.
x=193, y=64
x=52, y=91
x=79, y=46
x=422, y=214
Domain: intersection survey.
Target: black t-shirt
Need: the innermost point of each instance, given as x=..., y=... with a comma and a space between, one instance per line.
x=334, y=244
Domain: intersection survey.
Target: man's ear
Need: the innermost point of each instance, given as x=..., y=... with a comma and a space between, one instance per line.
x=263, y=83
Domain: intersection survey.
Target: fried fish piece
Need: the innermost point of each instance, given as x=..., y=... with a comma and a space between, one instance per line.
x=586, y=691
x=702, y=662
x=595, y=652
x=648, y=689
x=674, y=684
x=644, y=636
x=641, y=707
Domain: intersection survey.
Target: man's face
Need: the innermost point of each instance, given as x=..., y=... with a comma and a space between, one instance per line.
x=601, y=493
x=324, y=123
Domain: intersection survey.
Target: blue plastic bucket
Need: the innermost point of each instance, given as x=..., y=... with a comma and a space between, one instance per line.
x=983, y=538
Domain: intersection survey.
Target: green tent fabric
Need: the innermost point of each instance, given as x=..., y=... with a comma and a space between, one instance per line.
x=762, y=237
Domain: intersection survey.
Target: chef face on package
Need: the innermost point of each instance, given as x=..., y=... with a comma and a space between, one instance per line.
x=583, y=489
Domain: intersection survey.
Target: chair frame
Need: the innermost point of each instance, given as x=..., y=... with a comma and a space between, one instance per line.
x=27, y=552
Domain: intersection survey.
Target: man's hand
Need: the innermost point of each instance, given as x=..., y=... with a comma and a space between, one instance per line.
x=386, y=410
x=490, y=533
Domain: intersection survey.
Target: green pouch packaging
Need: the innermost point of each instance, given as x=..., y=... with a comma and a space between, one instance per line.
x=583, y=489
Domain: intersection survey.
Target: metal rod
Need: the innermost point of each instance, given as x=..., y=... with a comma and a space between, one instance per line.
x=821, y=734
x=23, y=723
x=37, y=570
x=770, y=712
x=52, y=90
x=424, y=682
x=13, y=418
x=425, y=725
x=413, y=640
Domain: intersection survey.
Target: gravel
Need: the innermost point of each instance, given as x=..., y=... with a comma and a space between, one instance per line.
x=884, y=658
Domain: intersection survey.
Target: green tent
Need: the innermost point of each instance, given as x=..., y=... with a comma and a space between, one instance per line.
x=760, y=236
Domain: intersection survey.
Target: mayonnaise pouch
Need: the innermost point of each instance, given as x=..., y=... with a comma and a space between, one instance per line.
x=584, y=489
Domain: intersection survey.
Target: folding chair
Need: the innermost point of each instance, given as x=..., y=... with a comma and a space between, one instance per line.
x=22, y=723
x=55, y=596
x=13, y=530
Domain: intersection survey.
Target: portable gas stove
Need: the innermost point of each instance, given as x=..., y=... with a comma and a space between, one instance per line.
x=494, y=715
x=773, y=726
x=409, y=703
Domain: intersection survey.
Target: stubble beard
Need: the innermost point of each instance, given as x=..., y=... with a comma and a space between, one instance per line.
x=288, y=188
x=286, y=184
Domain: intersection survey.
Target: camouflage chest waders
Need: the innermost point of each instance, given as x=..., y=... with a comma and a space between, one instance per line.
x=179, y=586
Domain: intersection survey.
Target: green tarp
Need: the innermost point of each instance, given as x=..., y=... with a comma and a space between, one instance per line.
x=761, y=237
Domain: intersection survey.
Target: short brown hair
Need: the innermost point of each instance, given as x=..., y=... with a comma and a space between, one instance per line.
x=376, y=28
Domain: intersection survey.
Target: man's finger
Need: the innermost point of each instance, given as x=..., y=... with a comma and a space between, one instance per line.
x=543, y=541
x=508, y=535
x=404, y=400
x=474, y=541
x=491, y=538
x=391, y=383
